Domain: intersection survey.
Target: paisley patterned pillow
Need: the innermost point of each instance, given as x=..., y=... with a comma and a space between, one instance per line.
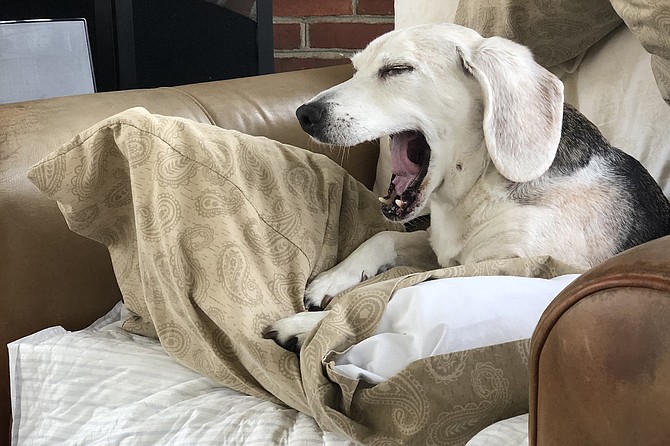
x=650, y=22
x=213, y=234
x=555, y=31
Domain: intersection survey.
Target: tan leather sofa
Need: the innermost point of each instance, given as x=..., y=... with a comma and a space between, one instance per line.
x=600, y=368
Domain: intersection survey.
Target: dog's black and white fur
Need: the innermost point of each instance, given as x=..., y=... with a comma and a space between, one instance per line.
x=481, y=138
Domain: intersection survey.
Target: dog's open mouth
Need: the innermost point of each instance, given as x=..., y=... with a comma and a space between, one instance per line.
x=410, y=156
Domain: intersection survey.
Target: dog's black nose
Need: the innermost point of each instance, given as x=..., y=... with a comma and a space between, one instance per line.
x=311, y=117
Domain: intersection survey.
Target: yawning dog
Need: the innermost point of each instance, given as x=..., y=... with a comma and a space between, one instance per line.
x=480, y=138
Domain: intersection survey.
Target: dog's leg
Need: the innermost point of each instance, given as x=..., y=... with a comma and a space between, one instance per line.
x=381, y=252
x=291, y=332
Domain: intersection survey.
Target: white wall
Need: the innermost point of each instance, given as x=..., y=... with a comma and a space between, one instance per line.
x=415, y=12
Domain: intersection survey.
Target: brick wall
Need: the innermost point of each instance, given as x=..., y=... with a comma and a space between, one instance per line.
x=319, y=33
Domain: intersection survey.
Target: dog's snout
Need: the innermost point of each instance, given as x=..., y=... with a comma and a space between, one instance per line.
x=311, y=117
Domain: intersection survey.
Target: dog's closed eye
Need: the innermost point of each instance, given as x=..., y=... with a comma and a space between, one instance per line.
x=393, y=70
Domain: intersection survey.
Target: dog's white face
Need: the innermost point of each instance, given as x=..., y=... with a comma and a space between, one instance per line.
x=429, y=89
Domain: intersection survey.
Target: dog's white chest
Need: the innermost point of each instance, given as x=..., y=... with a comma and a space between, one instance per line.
x=446, y=234
x=485, y=224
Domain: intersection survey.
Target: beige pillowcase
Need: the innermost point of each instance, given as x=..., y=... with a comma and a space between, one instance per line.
x=213, y=235
x=554, y=31
x=650, y=23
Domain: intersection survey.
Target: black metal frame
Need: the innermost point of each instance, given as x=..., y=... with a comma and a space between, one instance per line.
x=105, y=30
x=115, y=18
x=264, y=36
x=125, y=44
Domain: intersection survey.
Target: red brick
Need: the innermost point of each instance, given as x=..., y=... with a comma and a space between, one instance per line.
x=286, y=36
x=375, y=7
x=300, y=63
x=301, y=8
x=345, y=35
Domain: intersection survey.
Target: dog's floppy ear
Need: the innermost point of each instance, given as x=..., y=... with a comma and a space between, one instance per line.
x=523, y=107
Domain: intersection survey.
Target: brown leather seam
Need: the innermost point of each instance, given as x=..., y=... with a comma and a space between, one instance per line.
x=618, y=280
x=195, y=101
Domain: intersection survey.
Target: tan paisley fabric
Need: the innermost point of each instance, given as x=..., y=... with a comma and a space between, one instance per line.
x=649, y=20
x=213, y=235
x=555, y=30
x=558, y=30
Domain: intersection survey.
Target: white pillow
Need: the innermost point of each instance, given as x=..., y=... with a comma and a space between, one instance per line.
x=450, y=315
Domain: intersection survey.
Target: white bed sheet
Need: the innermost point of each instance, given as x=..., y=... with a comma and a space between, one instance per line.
x=104, y=386
x=510, y=432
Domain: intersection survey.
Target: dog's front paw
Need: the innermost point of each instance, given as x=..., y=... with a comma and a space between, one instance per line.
x=290, y=333
x=327, y=285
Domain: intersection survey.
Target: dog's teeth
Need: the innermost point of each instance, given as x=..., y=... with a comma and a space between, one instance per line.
x=384, y=200
x=399, y=202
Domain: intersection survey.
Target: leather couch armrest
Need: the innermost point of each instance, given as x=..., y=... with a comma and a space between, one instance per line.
x=600, y=355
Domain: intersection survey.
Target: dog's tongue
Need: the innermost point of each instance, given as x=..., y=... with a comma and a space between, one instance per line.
x=405, y=171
